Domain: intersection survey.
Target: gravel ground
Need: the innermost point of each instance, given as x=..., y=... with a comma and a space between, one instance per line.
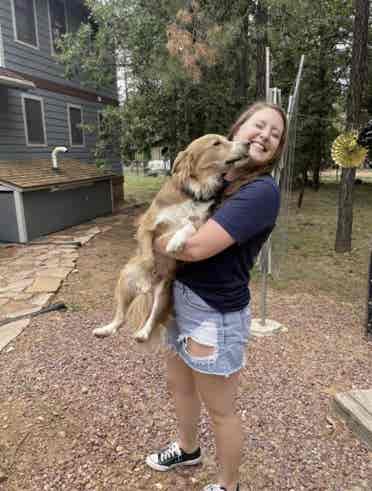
x=80, y=413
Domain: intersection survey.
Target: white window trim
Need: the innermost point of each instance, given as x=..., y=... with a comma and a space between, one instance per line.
x=50, y=26
x=2, y=54
x=15, y=26
x=74, y=106
x=40, y=99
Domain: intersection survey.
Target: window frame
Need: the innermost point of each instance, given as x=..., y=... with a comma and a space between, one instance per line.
x=2, y=53
x=37, y=46
x=41, y=100
x=50, y=25
x=75, y=106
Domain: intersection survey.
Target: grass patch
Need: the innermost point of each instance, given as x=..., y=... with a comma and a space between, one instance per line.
x=304, y=259
x=308, y=258
x=141, y=188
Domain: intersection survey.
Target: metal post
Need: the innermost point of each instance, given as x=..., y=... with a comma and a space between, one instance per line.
x=268, y=69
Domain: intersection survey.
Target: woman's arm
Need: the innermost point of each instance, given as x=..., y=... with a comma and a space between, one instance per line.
x=208, y=241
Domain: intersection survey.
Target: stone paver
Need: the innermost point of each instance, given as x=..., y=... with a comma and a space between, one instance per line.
x=45, y=284
x=355, y=407
x=11, y=331
x=270, y=328
x=30, y=278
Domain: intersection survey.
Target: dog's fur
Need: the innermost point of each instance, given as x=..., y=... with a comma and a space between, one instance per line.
x=182, y=205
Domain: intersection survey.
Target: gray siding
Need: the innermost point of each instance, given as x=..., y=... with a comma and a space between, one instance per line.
x=39, y=61
x=8, y=218
x=47, y=211
x=12, y=127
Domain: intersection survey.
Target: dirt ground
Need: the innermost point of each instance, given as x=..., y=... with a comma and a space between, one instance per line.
x=80, y=413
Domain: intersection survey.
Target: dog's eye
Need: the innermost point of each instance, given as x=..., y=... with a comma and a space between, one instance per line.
x=217, y=142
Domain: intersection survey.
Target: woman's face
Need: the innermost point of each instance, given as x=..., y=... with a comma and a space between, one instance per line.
x=263, y=130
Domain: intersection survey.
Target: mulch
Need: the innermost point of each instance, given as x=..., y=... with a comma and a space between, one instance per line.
x=80, y=413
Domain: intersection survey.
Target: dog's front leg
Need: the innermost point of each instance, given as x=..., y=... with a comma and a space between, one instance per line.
x=178, y=240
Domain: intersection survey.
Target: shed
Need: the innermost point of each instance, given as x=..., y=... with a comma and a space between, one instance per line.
x=36, y=199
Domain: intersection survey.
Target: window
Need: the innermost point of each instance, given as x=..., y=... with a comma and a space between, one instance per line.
x=24, y=20
x=34, y=120
x=57, y=21
x=75, y=120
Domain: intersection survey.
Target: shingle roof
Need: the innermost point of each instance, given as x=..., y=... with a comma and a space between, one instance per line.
x=28, y=174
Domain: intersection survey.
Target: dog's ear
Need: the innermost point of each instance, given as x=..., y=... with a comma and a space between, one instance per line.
x=182, y=166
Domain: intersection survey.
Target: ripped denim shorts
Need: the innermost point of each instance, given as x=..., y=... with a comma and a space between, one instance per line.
x=227, y=332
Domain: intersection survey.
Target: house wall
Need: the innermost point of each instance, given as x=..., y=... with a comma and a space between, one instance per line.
x=13, y=133
x=41, y=63
x=47, y=211
x=8, y=218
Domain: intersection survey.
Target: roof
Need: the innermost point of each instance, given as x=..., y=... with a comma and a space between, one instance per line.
x=39, y=173
x=24, y=81
x=9, y=78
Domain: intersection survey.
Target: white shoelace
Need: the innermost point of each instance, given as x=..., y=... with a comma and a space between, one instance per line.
x=171, y=451
x=212, y=487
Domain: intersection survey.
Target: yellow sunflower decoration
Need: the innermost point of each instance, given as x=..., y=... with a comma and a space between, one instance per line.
x=346, y=152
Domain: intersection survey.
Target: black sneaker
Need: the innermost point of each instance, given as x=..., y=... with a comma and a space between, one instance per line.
x=172, y=456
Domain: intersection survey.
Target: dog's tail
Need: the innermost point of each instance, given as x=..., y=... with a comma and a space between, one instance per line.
x=139, y=310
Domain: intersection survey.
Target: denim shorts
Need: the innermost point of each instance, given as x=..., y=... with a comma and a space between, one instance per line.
x=227, y=332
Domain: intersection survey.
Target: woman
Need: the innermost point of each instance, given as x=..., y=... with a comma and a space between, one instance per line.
x=211, y=301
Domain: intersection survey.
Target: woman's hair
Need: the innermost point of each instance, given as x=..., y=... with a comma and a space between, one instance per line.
x=249, y=173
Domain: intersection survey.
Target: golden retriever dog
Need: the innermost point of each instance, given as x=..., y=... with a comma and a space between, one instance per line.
x=181, y=206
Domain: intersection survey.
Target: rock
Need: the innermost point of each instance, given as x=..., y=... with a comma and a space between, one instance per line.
x=355, y=407
x=271, y=327
x=45, y=284
x=41, y=299
x=10, y=331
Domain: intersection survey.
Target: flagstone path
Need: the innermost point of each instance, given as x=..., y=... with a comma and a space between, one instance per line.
x=34, y=272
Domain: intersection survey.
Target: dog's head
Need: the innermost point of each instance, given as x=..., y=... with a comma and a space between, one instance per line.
x=199, y=169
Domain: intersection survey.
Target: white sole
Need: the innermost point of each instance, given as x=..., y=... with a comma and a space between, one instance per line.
x=162, y=468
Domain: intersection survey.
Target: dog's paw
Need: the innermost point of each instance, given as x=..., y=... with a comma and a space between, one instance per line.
x=104, y=331
x=141, y=335
x=178, y=240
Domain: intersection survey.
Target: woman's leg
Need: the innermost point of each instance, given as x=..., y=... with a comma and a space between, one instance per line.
x=219, y=394
x=187, y=402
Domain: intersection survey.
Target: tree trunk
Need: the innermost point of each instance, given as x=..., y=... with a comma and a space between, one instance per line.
x=316, y=176
x=262, y=42
x=345, y=203
x=357, y=94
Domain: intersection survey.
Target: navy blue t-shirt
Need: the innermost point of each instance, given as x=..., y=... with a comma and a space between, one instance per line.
x=249, y=217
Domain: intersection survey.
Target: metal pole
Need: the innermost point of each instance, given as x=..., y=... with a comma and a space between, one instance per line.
x=265, y=249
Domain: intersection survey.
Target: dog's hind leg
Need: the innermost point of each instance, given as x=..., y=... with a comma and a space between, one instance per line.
x=124, y=296
x=160, y=306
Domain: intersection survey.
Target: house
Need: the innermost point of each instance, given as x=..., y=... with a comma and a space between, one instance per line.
x=41, y=110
